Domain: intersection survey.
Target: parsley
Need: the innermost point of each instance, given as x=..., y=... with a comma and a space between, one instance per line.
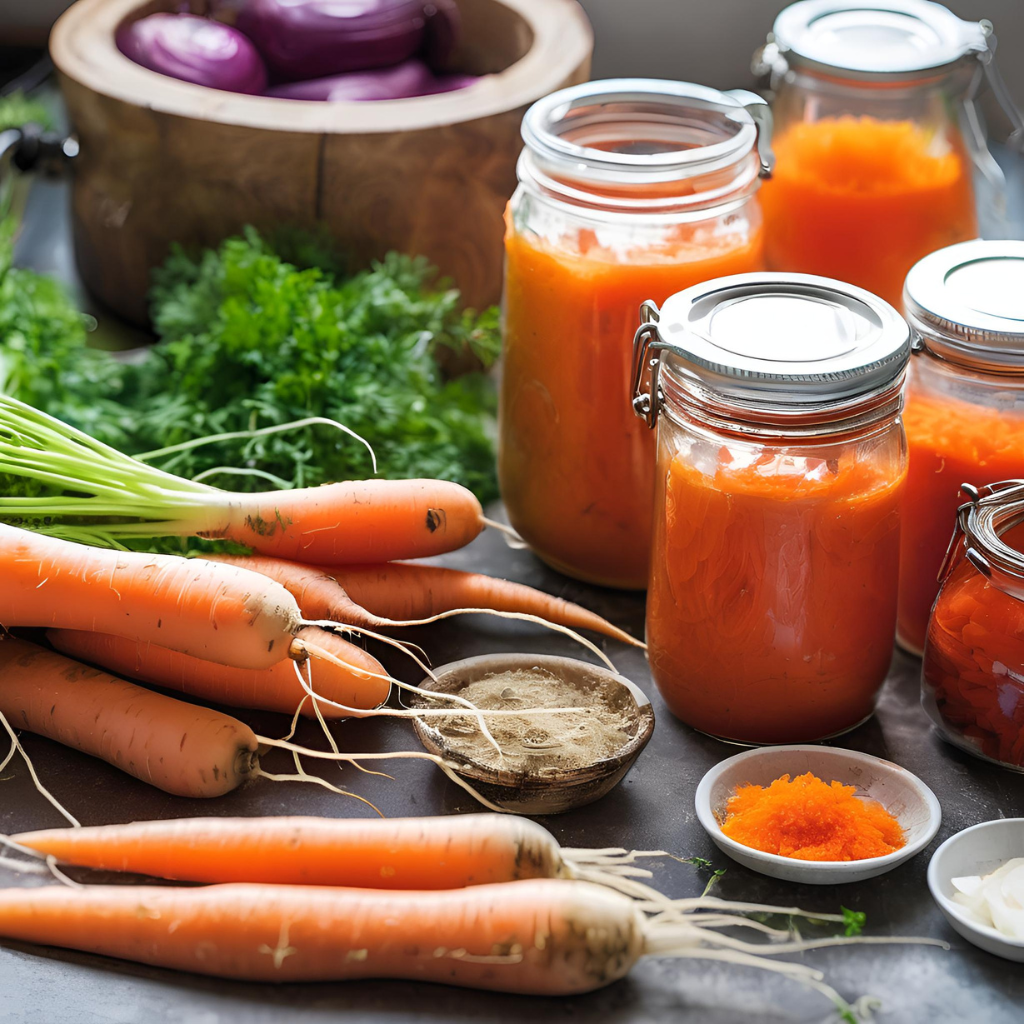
x=248, y=339
x=853, y=921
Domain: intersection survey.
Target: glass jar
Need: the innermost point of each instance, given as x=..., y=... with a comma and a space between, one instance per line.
x=973, y=676
x=781, y=460
x=877, y=134
x=628, y=190
x=965, y=403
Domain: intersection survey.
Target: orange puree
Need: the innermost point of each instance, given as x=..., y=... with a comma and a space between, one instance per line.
x=576, y=465
x=770, y=617
x=974, y=662
x=951, y=443
x=862, y=200
x=807, y=819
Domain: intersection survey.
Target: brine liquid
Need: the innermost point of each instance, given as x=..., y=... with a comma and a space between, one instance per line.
x=772, y=603
x=576, y=465
x=951, y=443
x=862, y=200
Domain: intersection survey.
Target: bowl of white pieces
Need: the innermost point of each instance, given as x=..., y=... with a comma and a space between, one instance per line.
x=900, y=792
x=977, y=879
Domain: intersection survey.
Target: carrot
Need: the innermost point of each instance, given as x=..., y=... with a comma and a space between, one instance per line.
x=402, y=593
x=399, y=853
x=180, y=748
x=105, y=497
x=360, y=682
x=219, y=612
x=540, y=937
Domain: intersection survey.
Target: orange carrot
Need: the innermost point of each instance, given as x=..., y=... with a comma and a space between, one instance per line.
x=397, y=593
x=539, y=937
x=361, y=682
x=399, y=853
x=355, y=521
x=180, y=748
x=222, y=613
x=550, y=937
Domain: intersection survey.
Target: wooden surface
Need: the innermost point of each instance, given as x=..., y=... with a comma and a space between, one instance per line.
x=164, y=161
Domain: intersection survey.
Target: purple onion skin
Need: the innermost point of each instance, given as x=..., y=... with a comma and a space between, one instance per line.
x=404, y=81
x=304, y=39
x=196, y=50
x=444, y=26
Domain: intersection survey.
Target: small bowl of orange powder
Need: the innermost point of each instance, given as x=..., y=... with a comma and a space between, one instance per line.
x=817, y=815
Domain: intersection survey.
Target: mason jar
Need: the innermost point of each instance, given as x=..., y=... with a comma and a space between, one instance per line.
x=973, y=675
x=781, y=461
x=965, y=403
x=877, y=137
x=628, y=190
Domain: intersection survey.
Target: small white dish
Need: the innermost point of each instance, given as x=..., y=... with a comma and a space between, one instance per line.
x=977, y=850
x=900, y=792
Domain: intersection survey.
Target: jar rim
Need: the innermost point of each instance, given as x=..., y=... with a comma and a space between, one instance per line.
x=851, y=36
x=552, y=125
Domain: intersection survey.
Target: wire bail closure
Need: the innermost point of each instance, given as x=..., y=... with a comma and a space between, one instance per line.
x=975, y=531
x=647, y=404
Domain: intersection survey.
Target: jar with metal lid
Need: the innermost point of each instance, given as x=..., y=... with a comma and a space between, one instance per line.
x=781, y=460
x=973, y=677
x=965, y=402
x=877, y=135
x=628, y=190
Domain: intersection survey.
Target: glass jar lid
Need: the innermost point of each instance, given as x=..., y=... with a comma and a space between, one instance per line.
x=779, y=340
x=966, y=304
x=868, y=38
x=645, y=131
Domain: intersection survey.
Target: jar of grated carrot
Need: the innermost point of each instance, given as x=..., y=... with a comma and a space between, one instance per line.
x=877, y=137
x=965, y=403
x=628, y=190
x=781, y=461
x=973, y=677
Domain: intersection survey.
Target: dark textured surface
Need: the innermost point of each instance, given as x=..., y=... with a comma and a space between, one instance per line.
x=653, y=808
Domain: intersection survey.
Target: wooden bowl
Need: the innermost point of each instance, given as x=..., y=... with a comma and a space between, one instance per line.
x=165, y=161
x=552, y=790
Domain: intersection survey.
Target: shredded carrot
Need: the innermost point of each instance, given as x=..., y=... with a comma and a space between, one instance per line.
x=807, y=819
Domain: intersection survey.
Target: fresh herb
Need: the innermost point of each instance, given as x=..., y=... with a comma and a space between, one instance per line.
x=853, y=920
x=249, y=340
x=17, y=110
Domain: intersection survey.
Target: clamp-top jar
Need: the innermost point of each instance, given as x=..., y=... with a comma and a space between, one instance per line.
x=628, y=190
x=781, y=459
x=876, y=134
x=965, y=402
x=973, y=678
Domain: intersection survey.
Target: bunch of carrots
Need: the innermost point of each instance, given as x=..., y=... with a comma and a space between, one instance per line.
x=260, y=632
x=480, y=901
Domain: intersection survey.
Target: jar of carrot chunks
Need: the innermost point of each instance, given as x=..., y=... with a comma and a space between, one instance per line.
x=781, y=461
x=965, y=403
x=973, y=678
x=873, y=170
x=629, y=190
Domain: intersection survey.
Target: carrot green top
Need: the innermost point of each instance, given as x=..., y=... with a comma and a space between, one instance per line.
x=807, y=819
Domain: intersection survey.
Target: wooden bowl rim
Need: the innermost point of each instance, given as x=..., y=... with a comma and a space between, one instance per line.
x=558, y=779
x=83, y=49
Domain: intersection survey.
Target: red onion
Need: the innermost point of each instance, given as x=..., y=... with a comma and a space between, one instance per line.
x=196, y=50
x=411, y=78
x=303, y=39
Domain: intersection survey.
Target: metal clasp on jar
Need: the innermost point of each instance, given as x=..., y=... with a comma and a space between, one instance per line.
x=976, y=531
x=647, y=403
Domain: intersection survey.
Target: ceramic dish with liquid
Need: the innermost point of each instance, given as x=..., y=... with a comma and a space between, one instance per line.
x=900, y=792
x=978, y=850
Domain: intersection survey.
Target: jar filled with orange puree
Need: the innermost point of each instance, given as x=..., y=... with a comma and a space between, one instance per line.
x=965, y=403
x=877, y=137
x=781, y=463
x=629, y=190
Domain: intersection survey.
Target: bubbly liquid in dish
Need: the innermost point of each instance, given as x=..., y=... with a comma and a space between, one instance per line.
x=951, y=442
x=862, y=200
x=770, y=618
x=974, y=663
x=576, y=465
